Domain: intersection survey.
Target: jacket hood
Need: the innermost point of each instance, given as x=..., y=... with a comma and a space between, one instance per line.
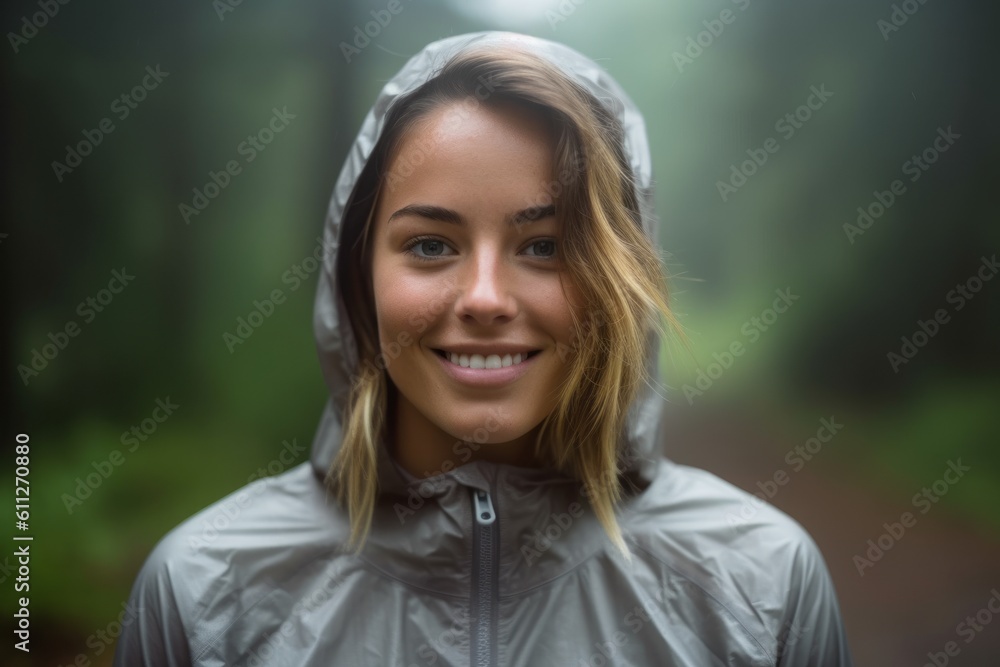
x=334, y=338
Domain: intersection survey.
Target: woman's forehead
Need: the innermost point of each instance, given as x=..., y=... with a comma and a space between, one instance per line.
x=487, y=158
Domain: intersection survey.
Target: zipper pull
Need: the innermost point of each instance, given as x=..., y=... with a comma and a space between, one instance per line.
x=483, y=506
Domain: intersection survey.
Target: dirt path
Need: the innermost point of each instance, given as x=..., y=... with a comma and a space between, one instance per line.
x=908, y=603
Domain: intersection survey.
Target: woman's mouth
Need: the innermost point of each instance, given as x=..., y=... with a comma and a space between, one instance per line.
x=485, y=361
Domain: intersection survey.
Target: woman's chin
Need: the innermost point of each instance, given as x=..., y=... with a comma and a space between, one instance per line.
x=492, y=438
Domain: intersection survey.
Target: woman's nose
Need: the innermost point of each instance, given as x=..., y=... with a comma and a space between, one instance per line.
x=486, y=295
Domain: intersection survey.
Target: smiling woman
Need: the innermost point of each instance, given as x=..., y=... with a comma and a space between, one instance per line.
x=512, y=301
x=486, y=485
x=476, y=228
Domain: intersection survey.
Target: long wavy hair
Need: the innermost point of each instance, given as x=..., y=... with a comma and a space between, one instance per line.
x=605, y=252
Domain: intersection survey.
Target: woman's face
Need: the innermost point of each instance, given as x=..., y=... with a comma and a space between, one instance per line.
x=467, y=278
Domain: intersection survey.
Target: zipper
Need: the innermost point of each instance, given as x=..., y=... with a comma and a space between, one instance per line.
x=486, y=580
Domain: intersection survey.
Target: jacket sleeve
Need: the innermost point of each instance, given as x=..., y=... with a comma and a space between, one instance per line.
x=156, y=636
x=812, y=634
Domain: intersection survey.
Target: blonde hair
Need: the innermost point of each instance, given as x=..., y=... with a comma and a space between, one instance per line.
x=606, y=254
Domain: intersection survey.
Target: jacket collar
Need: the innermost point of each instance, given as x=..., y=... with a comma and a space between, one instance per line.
x=422, y=529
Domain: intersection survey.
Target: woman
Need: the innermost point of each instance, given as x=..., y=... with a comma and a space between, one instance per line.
x=485, y=486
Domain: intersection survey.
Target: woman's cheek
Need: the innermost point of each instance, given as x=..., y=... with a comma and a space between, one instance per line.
x=408, y=302
x=553, y=310
x=417, y=323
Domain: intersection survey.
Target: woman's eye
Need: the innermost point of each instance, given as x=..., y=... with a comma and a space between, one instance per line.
x=427, y=248
x=545, y=248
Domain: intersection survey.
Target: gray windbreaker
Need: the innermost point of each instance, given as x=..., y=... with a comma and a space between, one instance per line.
x=487, y=564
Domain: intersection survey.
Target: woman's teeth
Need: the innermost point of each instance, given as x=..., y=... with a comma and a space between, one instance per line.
x=489, y=361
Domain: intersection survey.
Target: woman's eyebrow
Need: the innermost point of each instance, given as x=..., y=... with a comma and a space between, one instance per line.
x=531, y=214
x=430, y=212
x=443, y=214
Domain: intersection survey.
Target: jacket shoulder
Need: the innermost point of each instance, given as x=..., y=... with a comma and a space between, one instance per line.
x=219, y=563
x=759, y=563
x=695, y=504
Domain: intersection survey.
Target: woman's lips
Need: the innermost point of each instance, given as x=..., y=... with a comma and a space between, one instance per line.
x=490, y=375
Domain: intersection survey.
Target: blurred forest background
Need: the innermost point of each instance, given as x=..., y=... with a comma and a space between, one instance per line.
x=712, y=86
